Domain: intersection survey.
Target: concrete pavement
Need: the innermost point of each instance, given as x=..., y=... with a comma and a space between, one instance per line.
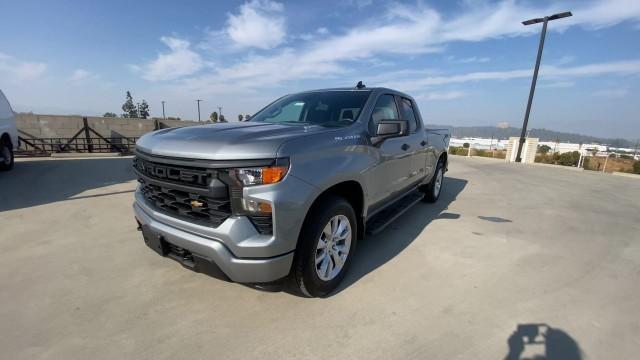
x=507, y=248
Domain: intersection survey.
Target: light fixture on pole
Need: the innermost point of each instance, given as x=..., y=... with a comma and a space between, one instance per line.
x=543, y=20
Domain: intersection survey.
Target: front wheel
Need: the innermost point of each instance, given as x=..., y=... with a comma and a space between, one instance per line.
x=6, y=155
x=434, y=188
x=326, y=246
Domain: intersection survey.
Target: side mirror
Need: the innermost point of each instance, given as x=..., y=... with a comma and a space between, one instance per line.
x=387, y=129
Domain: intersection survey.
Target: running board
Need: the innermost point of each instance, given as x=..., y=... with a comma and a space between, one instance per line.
x=385, y=217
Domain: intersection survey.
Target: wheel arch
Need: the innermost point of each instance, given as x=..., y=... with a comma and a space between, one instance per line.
x=350, y=190
x=444, y=157
x=6, y=137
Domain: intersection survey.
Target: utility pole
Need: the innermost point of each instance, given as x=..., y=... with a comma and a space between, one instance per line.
x=544, y=20
x=163, y=117
x=138, y=110
x=198, y=101
x=635, y=151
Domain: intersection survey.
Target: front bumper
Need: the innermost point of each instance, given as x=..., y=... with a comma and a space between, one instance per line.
x=210, y=251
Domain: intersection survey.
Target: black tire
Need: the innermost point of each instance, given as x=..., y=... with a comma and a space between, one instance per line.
x=6, y=148
x=432, y=191
x=304, y=273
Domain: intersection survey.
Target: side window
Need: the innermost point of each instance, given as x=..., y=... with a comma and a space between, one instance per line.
x=406, y=108
x=385, y=109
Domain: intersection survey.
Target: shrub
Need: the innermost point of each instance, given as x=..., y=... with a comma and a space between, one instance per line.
x=500, y=154
x=457, y=150
x=569, y=158
x=636, y=167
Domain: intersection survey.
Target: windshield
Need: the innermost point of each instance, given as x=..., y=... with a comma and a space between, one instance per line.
x=327, y=108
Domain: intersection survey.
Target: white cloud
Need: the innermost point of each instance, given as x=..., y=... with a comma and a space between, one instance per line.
x=360, y=4
x=81, y=75
x=557, y=84
x=180, y=61
x=399, y=30
x=447, y=95
x=310, y=36
x=473, y=59
x=612, y=93
x=630, y=67
x=566, y=59
x=18, y=70
x=259, y=24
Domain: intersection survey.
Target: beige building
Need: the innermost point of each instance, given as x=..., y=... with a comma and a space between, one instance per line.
x=528, y=149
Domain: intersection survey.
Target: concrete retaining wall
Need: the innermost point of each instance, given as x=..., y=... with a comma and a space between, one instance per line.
x=57, y=126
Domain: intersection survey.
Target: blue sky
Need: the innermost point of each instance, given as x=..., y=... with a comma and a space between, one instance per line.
x=466, y=62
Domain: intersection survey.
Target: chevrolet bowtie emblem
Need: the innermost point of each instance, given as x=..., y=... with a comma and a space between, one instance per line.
x=196, y=203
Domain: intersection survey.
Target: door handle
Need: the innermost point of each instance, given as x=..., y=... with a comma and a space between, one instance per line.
x=423, y=143
x=405, y=147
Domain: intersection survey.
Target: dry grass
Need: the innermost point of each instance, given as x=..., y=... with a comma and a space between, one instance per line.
x=613, y=164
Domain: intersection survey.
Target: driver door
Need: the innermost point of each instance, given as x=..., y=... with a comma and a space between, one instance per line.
x=391, y=174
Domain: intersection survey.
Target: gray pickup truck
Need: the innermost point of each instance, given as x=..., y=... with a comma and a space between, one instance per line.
x=290, y=192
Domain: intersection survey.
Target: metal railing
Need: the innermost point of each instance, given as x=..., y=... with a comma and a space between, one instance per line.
x=86, y=140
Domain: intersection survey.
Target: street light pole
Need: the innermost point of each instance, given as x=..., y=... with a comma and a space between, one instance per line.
x=198, y=101
x=163, y=117
x=544, y=20
x=219, y=111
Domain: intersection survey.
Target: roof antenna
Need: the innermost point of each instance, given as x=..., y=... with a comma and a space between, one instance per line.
x=360, y=85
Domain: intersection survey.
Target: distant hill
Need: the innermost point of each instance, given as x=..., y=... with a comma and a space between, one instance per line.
x=542, y=134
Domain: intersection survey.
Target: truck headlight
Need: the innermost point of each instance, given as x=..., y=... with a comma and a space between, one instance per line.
x=260, y=175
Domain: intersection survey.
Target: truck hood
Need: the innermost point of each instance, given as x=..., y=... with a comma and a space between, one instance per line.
x=223, y=141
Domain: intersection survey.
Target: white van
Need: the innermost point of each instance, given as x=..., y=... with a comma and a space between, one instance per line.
x=8, y=134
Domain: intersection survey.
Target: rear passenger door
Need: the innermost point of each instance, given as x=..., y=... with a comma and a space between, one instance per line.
x=417, y=140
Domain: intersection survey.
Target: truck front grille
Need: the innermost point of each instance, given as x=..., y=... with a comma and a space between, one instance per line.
x=187, y=206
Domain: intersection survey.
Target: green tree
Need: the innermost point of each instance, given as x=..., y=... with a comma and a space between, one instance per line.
x=144, y=109
x=240, y=117
x=222, y=119
x=110, y=115
x=214, y=117
x=247, y=117
x=129, y=108
x=544, y=149
x=466, y=145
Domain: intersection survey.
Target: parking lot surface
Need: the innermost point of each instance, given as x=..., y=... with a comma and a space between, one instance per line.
x=506, y=249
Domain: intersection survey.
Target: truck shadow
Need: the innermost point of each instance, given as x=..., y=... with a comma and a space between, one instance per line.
x=39, y=182
x=375, y=251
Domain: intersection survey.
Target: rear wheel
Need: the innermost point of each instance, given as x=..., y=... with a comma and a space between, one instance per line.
x=434, y=188
x=327, y=243
x=6, y=155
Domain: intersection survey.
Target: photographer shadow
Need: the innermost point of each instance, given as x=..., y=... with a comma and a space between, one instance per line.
x=555, y=343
